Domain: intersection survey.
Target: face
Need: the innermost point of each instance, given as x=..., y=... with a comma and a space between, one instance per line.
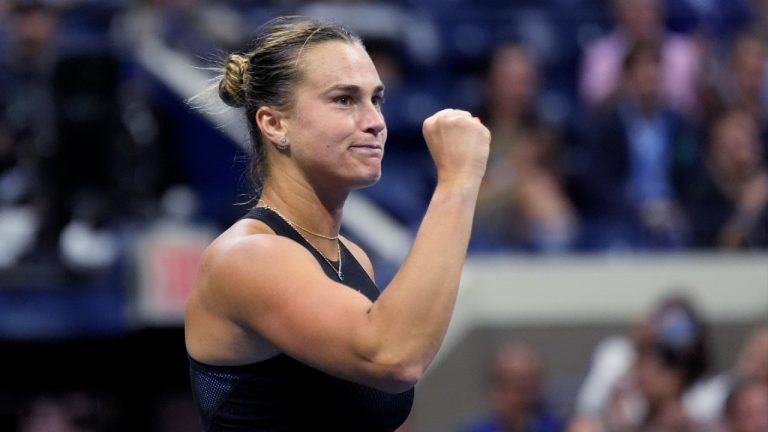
x=335, y=128
x=513, y=78
x=735, y=148
x=640, y=18
x=750, y=409
x=516, y=384
x=657, y=381
x=34, y=30
x=753, y=361
x=748, y=64
x=643, y=79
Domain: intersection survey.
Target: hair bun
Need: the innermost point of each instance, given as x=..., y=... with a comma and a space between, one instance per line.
x=232, y=85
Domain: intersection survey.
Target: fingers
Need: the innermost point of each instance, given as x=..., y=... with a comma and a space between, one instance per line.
x=448, y=113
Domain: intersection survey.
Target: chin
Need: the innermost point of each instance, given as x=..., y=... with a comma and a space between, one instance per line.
x=367, y=181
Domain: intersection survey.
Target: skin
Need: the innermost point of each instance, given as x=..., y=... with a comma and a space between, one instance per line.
x=240, y=313
x=517, y=379
x=512, y=85
x=640, y=19
x=750, y=409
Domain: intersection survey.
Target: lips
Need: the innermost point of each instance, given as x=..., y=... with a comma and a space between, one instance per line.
x=368, y=150
x=367, y=146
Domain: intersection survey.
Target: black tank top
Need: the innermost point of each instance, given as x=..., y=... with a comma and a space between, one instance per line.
x=283, y=394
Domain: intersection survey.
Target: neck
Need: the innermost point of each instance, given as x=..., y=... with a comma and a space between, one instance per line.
x=305, y=209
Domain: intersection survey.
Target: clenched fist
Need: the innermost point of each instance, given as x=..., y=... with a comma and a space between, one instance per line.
x=458, y=144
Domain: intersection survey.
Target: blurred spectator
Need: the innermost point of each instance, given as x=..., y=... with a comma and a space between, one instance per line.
x=753, y=358
x=746, y=409
x=760, y=10
x=585, y=423
x=640, y=21
x=644, y=387
x=521, y=202
x=73, y=411
x=26, y=124
x=515, y=394
x=760, y=28
x=728, y=201
x=638, y=153
x=80, y=150
x=740, y=81
x=707, y=401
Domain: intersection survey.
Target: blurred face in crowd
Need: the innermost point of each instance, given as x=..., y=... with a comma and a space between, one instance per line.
x=748, y=58
x=33, y=29
x=513, y=78
x=641, y=19
x=762, y=10
x=585, y=424
x=735, y=148
x=753, y=361
x=516, y=382
x=749, y=409
x=658, y=382
x=643, y=79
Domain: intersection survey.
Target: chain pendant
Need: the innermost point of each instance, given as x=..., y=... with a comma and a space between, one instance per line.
x=338, y=271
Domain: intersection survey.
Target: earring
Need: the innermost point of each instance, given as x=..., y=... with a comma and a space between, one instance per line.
x=283, y=144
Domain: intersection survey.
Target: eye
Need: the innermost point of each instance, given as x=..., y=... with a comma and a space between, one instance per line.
x=378, y=100
x=343, y=100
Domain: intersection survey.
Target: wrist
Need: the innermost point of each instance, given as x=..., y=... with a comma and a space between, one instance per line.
x=465, y=187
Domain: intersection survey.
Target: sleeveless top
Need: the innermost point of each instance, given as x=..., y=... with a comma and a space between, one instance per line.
x=283, y=394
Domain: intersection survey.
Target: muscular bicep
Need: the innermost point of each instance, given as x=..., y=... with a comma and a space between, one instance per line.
x=277, y=289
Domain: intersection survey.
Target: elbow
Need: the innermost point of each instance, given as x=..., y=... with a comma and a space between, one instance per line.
x=398, y=376
x=403, y=380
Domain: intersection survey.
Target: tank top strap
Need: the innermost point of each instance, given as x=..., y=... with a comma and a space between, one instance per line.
x=355, y=275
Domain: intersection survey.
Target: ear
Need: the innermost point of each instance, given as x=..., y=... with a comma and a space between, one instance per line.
x=271, y=122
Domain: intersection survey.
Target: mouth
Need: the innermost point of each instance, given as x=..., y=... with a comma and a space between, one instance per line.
x=370, y=149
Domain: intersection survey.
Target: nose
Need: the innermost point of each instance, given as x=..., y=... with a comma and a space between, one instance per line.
x=372, y=119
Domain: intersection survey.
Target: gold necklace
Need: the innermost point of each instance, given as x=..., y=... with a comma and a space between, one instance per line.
x=295, y=225
x=338, y=271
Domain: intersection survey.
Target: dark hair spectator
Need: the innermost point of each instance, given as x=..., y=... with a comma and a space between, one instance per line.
x=637, y=153
x=522, y=201
x=737, y=80
x=728, y=199
x=516, y=398
x=746, y=407
x=640, y=21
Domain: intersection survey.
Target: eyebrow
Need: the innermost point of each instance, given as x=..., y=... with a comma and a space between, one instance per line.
x=352, y=88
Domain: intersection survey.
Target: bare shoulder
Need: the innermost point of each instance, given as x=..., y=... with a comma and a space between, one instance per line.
x=229, y=263
x=254, y=294
x=241, y=274
x=360, y=255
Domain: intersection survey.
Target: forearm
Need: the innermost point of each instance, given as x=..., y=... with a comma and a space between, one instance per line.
x=410, y=318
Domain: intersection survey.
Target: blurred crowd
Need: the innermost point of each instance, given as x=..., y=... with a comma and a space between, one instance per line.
x=660, y=374
x=669, y=152
x=617, y=125
x=659, y=377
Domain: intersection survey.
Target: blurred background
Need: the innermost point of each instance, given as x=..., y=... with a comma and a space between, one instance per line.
x=618, y=271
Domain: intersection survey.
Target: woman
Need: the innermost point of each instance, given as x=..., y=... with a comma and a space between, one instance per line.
x=728, y=199
x=285, y=328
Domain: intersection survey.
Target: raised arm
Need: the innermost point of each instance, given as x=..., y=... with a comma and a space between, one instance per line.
x=266, y=290
x=410, y=318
